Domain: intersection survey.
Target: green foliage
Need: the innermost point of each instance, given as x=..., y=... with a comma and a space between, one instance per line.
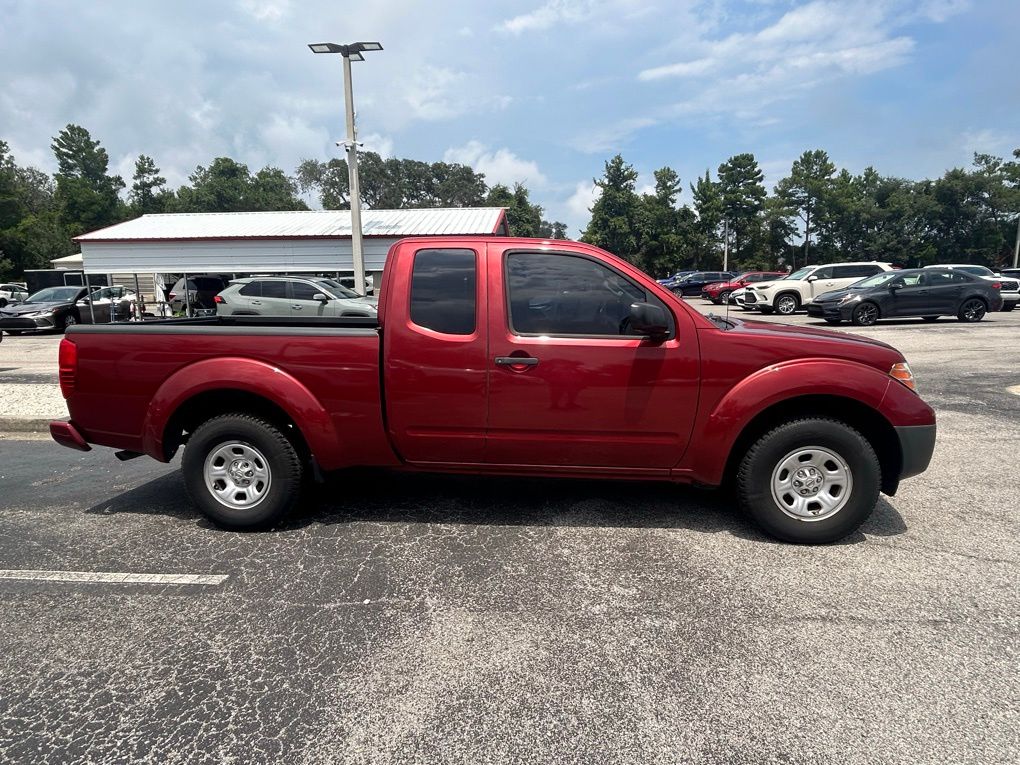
x=87, y=197
x=228, y=186
x=523, y=217
x=743, y=202
x=148, y=192
x=614, y=215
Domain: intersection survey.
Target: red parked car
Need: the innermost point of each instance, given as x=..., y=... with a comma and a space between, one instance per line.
x=506, y=357
x=719, y=292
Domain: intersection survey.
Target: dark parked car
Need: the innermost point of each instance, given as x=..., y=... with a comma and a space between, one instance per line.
x=925, y=292
x=694, y=283
x=671, y=281
x=201, y=291
x=50, y=308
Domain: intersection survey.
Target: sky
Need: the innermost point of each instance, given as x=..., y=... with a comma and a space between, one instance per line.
x=537, y=91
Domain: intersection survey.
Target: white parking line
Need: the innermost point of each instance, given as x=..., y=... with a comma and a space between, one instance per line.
x=113, y=577
x=1015, y=390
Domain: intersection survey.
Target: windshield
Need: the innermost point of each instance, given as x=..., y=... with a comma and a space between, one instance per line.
x=877, y=280
x=337, y=288
x=801, y=274
x=54, y=295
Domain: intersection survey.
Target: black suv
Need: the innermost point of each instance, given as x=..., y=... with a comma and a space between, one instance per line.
x=693, y=284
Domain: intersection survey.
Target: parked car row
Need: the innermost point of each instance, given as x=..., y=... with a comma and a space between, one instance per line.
x=865, y=292
x=12, y=292
x=57, y=308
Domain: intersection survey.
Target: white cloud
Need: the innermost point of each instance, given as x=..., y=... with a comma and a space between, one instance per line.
x=992, y=141
x=545, y=16
x=266, y=10
x=610, y=137
x=377, y=142
x=499, y=166
x=580, y=202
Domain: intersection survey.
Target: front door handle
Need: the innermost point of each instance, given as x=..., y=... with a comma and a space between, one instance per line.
x=297, y=307
x=516, y=361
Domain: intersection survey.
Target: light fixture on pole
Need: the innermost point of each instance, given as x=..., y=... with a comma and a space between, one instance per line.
x=351, y=53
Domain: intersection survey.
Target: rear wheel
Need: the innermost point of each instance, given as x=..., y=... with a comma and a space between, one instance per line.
x=930, y=318
x=787, y=304
x=973, y=309
x=242, y=472
x=810, y=481
x=724, y=297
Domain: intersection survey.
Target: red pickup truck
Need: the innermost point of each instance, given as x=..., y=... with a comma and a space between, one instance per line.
x=510, y=357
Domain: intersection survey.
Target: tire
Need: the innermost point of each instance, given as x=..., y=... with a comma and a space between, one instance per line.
x=3, y=302
x=847, y=494
x=834, y=321
x=865, y=314
x=786, y=304
x=724, y=297
x=255, y=449
x=972, y=310
x=930, y=318
x=69, y=320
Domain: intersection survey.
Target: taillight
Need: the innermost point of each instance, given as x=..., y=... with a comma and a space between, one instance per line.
x=218, y=299
x=68, y=363
x=172, y=295
x=996, y=285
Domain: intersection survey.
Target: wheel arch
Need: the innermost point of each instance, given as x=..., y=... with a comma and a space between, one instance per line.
x=217, y=386
x=865, y=419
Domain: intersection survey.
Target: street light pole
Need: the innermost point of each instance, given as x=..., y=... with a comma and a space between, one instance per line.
x=1016, y=244
x=351, y=53
x=352, y=171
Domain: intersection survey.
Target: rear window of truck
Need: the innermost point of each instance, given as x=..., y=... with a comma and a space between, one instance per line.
x=443, y=295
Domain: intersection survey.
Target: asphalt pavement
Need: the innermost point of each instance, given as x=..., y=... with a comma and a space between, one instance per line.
x=425, y=619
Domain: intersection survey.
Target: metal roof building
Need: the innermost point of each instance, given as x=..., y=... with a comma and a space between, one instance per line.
x=245, y=242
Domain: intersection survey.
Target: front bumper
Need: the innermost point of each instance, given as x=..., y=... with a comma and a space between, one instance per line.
x=23, y=324
x=825, y=311
x=917, y=444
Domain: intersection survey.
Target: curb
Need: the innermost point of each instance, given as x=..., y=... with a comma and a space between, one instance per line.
x=26, y=425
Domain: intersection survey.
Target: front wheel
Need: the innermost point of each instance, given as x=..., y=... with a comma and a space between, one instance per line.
x=865, y=314
x=810, y=481
x=972, y=310
x=242, y=472
x=724, y=297
x=787, y=304
x=69, y=321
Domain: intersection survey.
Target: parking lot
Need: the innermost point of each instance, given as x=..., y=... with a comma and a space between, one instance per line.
x=413, y=618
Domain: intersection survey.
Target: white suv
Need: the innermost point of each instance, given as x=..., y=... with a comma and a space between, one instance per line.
x=1010, y=289
x=790, y=294
x=12, y=293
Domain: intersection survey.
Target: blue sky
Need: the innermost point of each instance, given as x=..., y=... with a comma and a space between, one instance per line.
x=541, y=91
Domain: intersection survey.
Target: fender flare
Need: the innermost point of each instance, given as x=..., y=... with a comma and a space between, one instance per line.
x=773, y=385
x=238, y=373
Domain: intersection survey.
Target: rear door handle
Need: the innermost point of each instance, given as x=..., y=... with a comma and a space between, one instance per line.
x=516, y=361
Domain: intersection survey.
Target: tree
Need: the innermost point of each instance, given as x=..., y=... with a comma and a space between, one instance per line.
x=87, y=196
x=708, y=207
x=522, y=217
x=664, y=239
x=228, y=186
x=148, y=190
x=613, y=216
x=807, y=189
x=743, y=200
x=552, y=230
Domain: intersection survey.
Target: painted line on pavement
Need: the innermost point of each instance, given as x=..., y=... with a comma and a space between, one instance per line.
x=1015, y=390
x=113, y=577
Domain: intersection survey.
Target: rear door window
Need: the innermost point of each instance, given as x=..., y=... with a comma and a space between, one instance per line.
x=251, y=289
x=443, y=291
x=274, y=290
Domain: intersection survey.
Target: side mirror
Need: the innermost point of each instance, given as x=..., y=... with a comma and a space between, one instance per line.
x=650, y=320
x=895, y=286
x=812, y=279
x=320, y=297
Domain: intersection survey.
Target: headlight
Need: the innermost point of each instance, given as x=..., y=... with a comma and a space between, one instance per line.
x=901, y=372
x=855, y=298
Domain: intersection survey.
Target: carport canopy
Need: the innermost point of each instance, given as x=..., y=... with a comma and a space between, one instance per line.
x=310, y=241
